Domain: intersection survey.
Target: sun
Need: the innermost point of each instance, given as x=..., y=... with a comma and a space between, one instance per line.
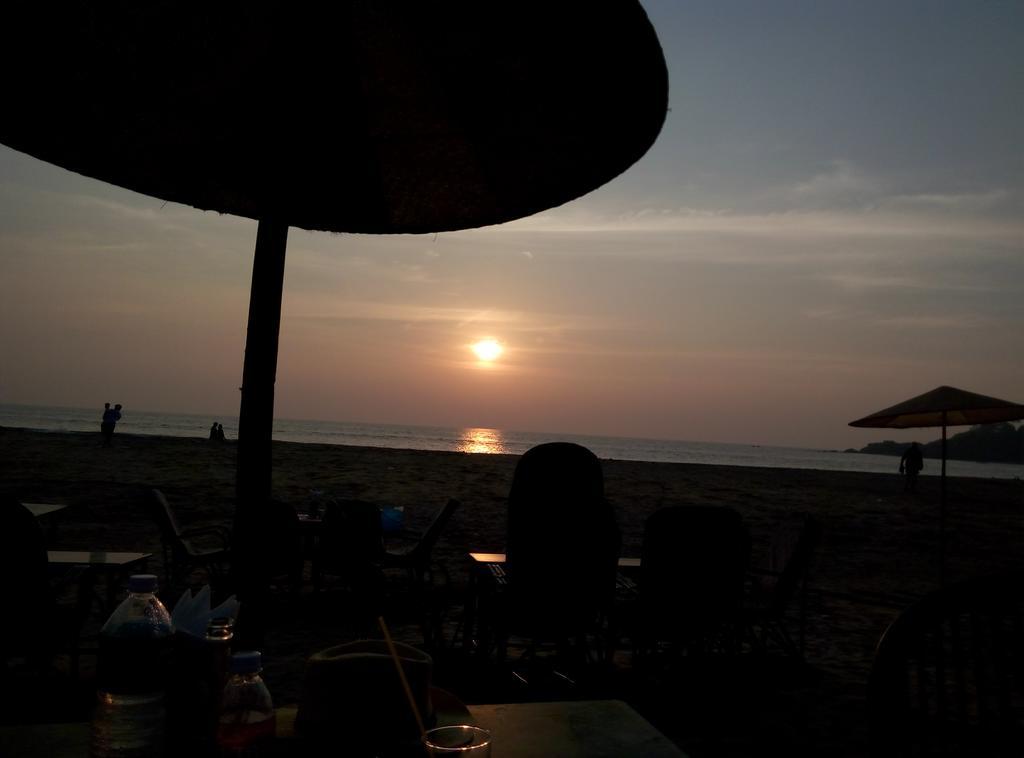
x=487, y=350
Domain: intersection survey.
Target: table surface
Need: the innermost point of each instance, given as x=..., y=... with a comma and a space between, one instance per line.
x=312, y=527
x=575, y=729
x=44, y=509
x=95, y=557
x=500, y=558
x=584, y=728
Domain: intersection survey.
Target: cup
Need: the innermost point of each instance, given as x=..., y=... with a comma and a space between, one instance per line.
x=464, y=740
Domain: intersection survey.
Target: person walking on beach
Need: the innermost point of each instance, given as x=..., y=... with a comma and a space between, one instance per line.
x=910, y=466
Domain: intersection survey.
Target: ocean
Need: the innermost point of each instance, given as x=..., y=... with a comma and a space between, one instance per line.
x=473, y=440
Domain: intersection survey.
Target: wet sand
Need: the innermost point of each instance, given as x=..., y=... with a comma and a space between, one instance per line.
x=879, y=550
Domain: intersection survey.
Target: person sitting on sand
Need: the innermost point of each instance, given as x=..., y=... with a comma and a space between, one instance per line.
x=220, y=432
x=213, y=431
x=910, y=466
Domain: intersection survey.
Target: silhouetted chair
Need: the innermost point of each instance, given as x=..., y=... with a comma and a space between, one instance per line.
x=429, y=594
x=948, y=674
x=781, y=579
x=351, y=544
x=690, y=586
x=417, y=559
x=42, y=624
x=562, y=550
x=182, y=554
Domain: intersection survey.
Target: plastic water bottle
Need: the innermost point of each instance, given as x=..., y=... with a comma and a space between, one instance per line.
x=246, y=711
x=134, y=646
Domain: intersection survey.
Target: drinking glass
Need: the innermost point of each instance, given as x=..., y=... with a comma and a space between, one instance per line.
x=464, y=740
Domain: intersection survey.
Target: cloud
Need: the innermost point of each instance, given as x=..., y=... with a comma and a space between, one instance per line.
x=875, y=222
x=968, y=202
x=331, y=309
x=859, y=281
x=936, y=321
x=842, y=184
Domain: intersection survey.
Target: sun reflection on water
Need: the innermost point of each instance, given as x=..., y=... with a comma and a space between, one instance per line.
x=481, y=441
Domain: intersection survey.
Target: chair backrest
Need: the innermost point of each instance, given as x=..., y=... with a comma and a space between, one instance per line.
x=788, y=559
x=563, y=542
x=692, y=568
x=426, y=544
x=948, y=674
x=351, y=533
x=164, y=517
x=24, y=562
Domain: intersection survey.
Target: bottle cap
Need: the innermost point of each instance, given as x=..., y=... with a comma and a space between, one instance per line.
x=142, y=583
x=246, y=662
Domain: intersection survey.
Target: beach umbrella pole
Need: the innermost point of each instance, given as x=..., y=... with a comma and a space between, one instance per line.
x=259, y=373
x=942, y=509
x=256, y=416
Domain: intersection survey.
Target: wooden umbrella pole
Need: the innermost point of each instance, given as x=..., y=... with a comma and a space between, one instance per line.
x=256, y=415
x=942, y=509
x=256, y=419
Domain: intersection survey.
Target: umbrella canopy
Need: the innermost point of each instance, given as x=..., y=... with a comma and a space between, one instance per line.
x=348, y=116
x=943, y=406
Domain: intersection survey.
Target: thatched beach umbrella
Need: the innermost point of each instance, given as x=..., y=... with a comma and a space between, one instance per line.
x=943, y=407
x=349, y=116
x=371, y=117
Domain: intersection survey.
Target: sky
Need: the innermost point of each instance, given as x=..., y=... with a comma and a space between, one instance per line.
x=829, y=223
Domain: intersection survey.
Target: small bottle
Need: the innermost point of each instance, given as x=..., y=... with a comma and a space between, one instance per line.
x=134, y=645
x=219, y=633
x=211, y=678
x=246, y=710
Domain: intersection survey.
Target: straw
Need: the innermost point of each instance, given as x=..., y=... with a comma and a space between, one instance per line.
x=401, y=675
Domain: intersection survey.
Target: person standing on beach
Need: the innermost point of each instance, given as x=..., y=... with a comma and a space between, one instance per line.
x=910, y=466
x=110, y=417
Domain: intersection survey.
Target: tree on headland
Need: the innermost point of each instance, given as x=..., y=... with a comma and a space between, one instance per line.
x=988, y=443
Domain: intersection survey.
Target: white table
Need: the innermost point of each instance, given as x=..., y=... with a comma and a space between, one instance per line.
x=42, y=510
x=115, y=566
x=45, y=513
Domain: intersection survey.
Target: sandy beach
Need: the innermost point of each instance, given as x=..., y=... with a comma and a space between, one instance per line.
x=879, y=551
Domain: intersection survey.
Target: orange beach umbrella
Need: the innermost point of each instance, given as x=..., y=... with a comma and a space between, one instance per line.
x=943, y=407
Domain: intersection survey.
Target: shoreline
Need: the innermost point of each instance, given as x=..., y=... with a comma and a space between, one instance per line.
x=929, y=472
